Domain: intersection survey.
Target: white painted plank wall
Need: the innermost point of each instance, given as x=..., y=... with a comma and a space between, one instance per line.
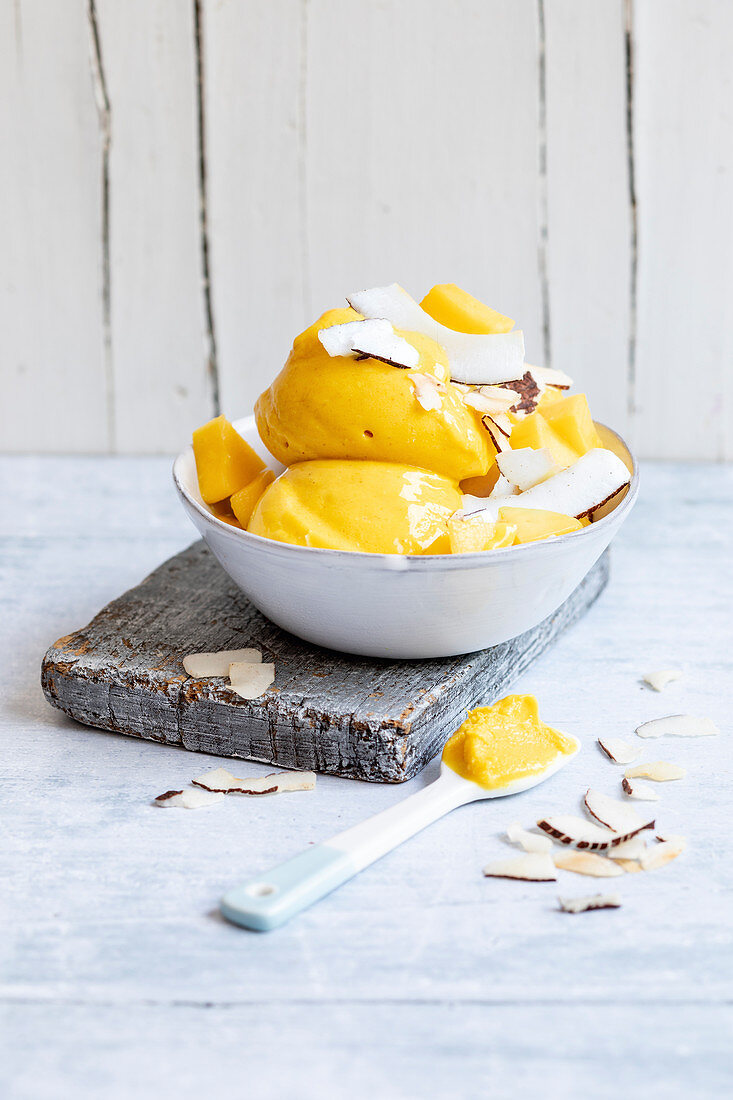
x=349, y=142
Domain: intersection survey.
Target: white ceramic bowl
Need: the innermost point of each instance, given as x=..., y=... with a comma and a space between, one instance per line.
x=390, y=605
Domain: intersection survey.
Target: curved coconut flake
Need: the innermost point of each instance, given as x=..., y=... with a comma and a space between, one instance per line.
x=371, y=339
x=678, y=725
x=536, y=867
x=502, y=489
x=526, y=466
x=203, y=665
x=499, y=427
x=659, y=680
x=660, y=771
x=590, y=482
x=499, y=396
x=588, y=904
x=618, y=751
x=547, y=376
x=475, y=359
x=250, y=681
x=630, y=849
x=531, y=842
x=223, y=782
x=615, y=815
x=587, y=863
x=578, y=833
x=641, y=791
x=662, y=854
x=188, y=800
x=427, y=391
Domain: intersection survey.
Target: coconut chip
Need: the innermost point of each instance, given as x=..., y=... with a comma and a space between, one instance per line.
x=223, y=782
x=531, y=842
x=631, y=866
x=536, y=867
x=499, y=427
x=188, y=800
x=615, y=815
x=369, y=339
x=659, y=680
x=594, y=479
x=587, y=904
x=641, y=791
x=660, y=771
x=527, y=466
x=203, y=665
x=629, y=850
x=502, y=489
x=620, y=752
x=427, y=391
x=250, y=681
x=547, y=376
x=587, y=863
x=661, y=854
x=578, y=833
x=678, y=725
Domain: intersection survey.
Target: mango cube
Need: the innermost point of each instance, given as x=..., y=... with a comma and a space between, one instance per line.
x=223, y=511
x=470, y=536
x=533, y=524
x=571, y=419
x=534, y=431
x=457, y=309
x=224, y=462
x=244, y=502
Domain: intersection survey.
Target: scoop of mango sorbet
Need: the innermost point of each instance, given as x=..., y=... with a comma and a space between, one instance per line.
x=323, y=406
x=506, y=742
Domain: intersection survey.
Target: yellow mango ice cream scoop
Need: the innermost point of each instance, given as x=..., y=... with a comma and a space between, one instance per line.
x=498, y=750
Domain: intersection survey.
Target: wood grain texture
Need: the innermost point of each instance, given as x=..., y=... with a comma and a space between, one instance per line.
x=589, y=225
x=161, y=389
x=684, y=155
x=364, y=719
x=421, y=167
x=51, y=310
x=253, y=95
x=464, y=986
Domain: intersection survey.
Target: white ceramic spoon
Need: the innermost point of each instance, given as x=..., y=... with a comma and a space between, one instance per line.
x=271, y=899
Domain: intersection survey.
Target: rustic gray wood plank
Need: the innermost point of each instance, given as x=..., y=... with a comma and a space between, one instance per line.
x=362, y=718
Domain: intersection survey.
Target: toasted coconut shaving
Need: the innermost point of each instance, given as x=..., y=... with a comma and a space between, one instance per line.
x=577, y=833
x=641, y=791
x=588, y=904
x=223, y=782
x=615, y=815
x=526, y=466
x=251, y=681
x=427, y=391
x=659, y=680
x=678, y=725
x=660, y=771
x=620, y=752
x=203, y=665
x=587, y=863
x=630, y=849
x=537, y=867
x=188, y=800
x=547, y=376
x=531, y=842
x=499, y=427
x=661, y=854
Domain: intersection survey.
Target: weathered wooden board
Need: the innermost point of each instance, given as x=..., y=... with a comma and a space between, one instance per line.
x=351, y=716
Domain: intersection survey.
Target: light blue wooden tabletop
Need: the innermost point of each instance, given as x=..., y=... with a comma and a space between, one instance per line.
x=419, y=978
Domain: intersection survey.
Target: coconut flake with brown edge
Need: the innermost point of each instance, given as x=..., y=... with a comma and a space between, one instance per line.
x=474, y=359
x=588, y=904
x=223, y=782
x=188, y=800
x=575, y=832
x=618, y=751
x=531, y=842
x=372, y=339
x=596, y=477
x=640, y=791
x=499, y=427
x=678, y=725
x=548, y=376
x=536, y=867
x=615, y=815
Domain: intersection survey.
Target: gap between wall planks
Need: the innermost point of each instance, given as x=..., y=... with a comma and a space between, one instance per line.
x=401, y=156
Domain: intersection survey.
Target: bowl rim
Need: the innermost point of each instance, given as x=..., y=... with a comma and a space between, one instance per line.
x=398, y=562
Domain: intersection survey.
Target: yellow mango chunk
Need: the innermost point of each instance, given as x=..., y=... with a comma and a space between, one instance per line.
x=508, y=741
x=447, y=304
x=534, y=431
x=243, y=502
x=570, y=418
x=551, y=396
x=533, y=524
x=469, y=536
x=373, y=507
x=222, y=510
x=224, y=462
